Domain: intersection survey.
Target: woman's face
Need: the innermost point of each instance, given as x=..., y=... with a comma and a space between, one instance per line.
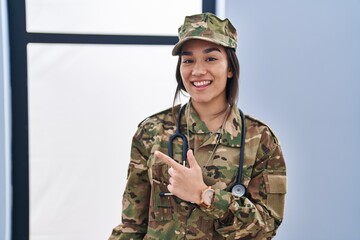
x=204, y=71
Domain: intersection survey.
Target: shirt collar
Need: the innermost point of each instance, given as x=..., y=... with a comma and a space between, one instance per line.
x=231, y=133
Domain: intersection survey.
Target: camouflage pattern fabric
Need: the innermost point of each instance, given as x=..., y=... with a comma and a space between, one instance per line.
x=208, y=27
x=257, y=215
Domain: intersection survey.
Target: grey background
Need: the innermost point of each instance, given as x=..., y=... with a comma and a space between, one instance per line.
x=300, y=74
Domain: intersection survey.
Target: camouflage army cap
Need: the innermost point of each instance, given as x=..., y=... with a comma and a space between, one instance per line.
x=208, y=27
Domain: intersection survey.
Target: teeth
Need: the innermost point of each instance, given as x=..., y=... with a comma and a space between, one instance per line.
x=202, y=83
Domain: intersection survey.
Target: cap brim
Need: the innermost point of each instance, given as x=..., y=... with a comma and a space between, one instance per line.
x=177, y=47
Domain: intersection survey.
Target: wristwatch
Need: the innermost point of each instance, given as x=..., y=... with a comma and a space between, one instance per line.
x=206, y=197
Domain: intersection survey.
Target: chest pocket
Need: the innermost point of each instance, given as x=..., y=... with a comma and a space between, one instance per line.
x=161, y=206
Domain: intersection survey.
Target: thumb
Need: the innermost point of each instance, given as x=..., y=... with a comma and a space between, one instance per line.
x=191, y=159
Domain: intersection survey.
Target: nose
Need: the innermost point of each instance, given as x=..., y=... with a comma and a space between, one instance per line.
x=199, y=69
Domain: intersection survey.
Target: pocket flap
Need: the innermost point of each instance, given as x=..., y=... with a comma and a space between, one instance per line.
x=277, y=183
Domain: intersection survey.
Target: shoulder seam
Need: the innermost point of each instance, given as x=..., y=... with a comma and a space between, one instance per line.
x=264, y=124
x=158, y=113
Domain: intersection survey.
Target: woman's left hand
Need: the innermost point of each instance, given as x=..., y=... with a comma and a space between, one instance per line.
x=185, y=183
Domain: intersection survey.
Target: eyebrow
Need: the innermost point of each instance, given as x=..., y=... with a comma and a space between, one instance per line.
x=207, y=50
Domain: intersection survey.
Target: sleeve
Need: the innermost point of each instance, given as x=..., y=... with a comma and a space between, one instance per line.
x=136, y=195
x=259, y=213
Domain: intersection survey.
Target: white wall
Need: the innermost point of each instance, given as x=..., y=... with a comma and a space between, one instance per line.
x=5, y=171
x=300, y=74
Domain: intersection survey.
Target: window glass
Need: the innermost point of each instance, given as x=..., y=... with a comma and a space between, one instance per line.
x=85, y=102
x=135, y=17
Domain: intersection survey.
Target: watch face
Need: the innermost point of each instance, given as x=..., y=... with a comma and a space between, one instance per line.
x=208, y=196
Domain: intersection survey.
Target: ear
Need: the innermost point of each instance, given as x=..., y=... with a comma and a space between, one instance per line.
x=230, y=73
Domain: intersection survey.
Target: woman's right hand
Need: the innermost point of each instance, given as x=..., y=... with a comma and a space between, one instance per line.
x=185, y=183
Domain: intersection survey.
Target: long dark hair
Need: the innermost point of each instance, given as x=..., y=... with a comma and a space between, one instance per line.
x=232, y=85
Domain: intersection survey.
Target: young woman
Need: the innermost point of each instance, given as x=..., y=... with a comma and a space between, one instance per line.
x=171, y=196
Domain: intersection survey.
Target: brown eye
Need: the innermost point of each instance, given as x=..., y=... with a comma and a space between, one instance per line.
x=211, y=59
x=187, y=61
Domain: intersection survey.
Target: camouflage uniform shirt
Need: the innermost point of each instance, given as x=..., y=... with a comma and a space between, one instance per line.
x=257, y=215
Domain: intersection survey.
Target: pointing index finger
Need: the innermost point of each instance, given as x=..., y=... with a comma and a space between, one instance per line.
x=166, y=159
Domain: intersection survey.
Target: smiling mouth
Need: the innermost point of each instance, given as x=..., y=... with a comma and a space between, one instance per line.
x=201, y=83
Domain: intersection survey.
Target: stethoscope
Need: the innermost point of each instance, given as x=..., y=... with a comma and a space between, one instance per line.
x=238, y=189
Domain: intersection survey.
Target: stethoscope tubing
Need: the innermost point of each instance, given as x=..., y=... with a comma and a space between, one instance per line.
x=242, y=148
x=179, y=134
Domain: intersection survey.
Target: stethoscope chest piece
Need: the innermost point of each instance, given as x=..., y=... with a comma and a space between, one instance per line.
x=238, y=190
